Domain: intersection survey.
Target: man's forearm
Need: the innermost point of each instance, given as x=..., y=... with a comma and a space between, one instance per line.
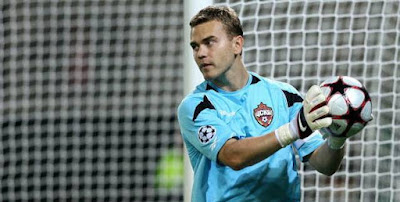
x=238, y=154
x=326, y=160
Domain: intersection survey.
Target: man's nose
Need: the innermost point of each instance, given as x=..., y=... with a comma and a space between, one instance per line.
x=202, y=52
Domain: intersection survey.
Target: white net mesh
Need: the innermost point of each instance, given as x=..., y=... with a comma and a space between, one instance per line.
x=304, y=43
x=89, y=91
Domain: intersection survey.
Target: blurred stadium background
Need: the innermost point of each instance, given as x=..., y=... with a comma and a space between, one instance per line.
x=89, y=91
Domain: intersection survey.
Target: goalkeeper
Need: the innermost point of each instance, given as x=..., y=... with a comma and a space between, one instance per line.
x=241, y=130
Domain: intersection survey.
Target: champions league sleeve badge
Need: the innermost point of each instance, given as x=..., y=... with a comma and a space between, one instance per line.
x=206, y=133
x=263, y=114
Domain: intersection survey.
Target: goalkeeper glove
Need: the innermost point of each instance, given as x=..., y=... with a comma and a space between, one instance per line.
x=337, y=141
x=334, y=142
x=312, y=116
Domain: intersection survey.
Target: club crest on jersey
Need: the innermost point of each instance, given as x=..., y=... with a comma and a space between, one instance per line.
x=263, y=114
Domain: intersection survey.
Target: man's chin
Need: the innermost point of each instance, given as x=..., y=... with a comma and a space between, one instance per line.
x=211, y=75
x=208, y=77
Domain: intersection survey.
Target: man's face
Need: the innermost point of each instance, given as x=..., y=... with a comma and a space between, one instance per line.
x=213, y=49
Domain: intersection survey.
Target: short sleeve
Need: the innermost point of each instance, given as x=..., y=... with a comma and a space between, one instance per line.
x=306, y=146
x=202, y=128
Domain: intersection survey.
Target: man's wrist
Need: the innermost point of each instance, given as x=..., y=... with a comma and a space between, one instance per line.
x=286, y=135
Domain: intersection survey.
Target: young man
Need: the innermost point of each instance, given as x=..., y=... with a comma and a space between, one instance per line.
x=241, y=130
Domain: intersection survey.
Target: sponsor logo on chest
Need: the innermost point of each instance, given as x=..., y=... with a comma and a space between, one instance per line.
x=263, y=114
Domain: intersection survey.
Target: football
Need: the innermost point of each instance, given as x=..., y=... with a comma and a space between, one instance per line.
x=350, y=105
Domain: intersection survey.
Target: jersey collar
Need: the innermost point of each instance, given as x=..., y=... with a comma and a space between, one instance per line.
x=252, y=80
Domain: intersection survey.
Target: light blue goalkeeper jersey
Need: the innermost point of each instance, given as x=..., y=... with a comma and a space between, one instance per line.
x=209, y=116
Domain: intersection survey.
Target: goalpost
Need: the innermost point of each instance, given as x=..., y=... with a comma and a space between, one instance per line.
x=192, y=77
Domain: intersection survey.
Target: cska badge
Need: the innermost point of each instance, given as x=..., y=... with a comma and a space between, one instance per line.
x=263, y=114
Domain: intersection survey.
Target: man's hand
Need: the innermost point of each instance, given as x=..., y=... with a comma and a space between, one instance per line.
x=312, y=116
x=337, y=141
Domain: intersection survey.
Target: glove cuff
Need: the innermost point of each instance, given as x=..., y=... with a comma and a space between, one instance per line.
x=336, y=143
x=303, y=130
x=285, y=135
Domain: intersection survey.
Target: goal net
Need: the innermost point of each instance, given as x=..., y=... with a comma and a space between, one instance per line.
x=88, y=97
x=305, y=42
x=89, y=90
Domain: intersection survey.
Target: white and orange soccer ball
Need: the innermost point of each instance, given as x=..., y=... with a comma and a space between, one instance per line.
x=350, y=105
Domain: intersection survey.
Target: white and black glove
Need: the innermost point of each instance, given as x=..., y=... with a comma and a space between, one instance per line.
x=333, y=141
x=312, y=116
x=337, y=141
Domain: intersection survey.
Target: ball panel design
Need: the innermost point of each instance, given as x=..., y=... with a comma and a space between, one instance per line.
x=366, y=112
x=350, y=105
x=355, y=128
x=326, y=90
x=355, y=96
x=351, y=81
x=338, y=126
x=330, y=80
x=338, y=105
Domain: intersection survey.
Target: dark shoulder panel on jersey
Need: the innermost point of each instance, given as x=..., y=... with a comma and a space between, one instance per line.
x=205, y=104
x=292, y=98
x=254, y=80
x=210, y=88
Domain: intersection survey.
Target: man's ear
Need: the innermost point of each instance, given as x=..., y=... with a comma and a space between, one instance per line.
x=238, y=42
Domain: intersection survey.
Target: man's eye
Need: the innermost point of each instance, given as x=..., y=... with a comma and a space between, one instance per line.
x=210, y=43
x=194, y=47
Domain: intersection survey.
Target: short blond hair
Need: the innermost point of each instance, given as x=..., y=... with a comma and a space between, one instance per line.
x=227, y=16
